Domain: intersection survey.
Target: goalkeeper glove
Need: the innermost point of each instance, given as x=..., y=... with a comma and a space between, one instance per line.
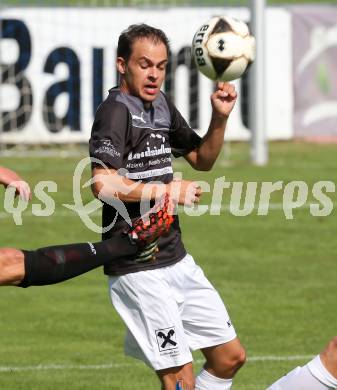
x=147, y=229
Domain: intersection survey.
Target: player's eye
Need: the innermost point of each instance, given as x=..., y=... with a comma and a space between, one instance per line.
x=144, y=65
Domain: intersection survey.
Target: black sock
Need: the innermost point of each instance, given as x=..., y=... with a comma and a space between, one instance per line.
x=56, y=264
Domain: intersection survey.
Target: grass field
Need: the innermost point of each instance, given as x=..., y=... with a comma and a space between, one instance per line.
x=278, y=278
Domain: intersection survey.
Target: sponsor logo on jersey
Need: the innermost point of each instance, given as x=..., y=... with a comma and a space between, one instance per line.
x=106, y=147
x=151, y=151
x=150, y=173
x=139, y=118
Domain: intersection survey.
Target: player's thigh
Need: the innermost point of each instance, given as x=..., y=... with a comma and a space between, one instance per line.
x=147, y=304
x=205, y=317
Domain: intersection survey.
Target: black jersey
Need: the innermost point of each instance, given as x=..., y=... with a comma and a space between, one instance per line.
x=126, y=135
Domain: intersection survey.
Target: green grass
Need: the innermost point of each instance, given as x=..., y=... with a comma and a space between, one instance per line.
x=278, y=278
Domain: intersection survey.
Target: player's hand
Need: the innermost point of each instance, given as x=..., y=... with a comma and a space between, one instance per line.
x=22, y=189
x=223, y=99
x=10, y=178
x=185, y=192
x=147, y=229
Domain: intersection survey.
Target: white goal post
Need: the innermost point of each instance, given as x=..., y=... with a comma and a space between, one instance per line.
x=257, y=123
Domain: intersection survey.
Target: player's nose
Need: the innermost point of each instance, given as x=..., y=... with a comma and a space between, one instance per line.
x=153, y=73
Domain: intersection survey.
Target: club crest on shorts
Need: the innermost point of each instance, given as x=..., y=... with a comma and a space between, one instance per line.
x=166, y=339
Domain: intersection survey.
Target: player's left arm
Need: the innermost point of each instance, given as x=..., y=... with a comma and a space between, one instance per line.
x=9, y=178
x=223, y=101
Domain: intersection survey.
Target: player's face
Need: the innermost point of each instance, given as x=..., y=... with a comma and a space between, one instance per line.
x=144, y=72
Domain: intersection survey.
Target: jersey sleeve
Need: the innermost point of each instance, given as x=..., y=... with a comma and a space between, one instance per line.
x=183, y=139
x=109, y=132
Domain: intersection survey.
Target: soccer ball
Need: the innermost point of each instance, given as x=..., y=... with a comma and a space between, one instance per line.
x=223, y=48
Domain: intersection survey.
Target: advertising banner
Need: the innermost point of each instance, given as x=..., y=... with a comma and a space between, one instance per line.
x=315, y=72
x=57, y=65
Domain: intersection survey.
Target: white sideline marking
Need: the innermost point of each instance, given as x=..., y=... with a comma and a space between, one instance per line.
x=51, y=367
x=279, y=358
x=62, y=213
x=68, y=213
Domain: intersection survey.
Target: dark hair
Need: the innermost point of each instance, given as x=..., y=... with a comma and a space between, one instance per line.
x=139, y=31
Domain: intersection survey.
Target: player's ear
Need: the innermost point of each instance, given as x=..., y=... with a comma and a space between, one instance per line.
x=121, y=65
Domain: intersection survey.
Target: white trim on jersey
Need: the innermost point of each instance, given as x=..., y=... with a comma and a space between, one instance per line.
x=151, y=128
x=152, y=172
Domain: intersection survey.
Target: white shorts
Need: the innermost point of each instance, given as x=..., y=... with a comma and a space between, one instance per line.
x=169, y=312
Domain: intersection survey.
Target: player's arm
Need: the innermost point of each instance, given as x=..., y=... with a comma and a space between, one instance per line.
x=223, y=100
x=107, y=184
x=12, y=179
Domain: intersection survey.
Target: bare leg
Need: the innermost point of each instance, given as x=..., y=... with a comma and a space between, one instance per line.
x=223, y=361
x=12, y=267
x=329, y=357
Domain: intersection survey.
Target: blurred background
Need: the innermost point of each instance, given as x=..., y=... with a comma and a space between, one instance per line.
x=277, y=275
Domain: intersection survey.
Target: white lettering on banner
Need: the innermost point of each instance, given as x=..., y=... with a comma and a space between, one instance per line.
x=151, y=173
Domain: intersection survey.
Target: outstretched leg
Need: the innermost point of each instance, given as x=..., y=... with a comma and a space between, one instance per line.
x=56, y=264
x=319, y=374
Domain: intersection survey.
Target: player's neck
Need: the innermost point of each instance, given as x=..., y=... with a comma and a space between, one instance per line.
x=126, y=90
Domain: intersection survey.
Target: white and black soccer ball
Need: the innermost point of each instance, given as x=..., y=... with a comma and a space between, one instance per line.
x=223, y=48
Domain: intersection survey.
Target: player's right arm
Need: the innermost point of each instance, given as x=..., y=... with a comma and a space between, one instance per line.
x=107, y=183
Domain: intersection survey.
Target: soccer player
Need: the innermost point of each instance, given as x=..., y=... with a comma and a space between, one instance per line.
x=9, y=178
x=168, y=305
x=56, y=264
x=319, y=374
